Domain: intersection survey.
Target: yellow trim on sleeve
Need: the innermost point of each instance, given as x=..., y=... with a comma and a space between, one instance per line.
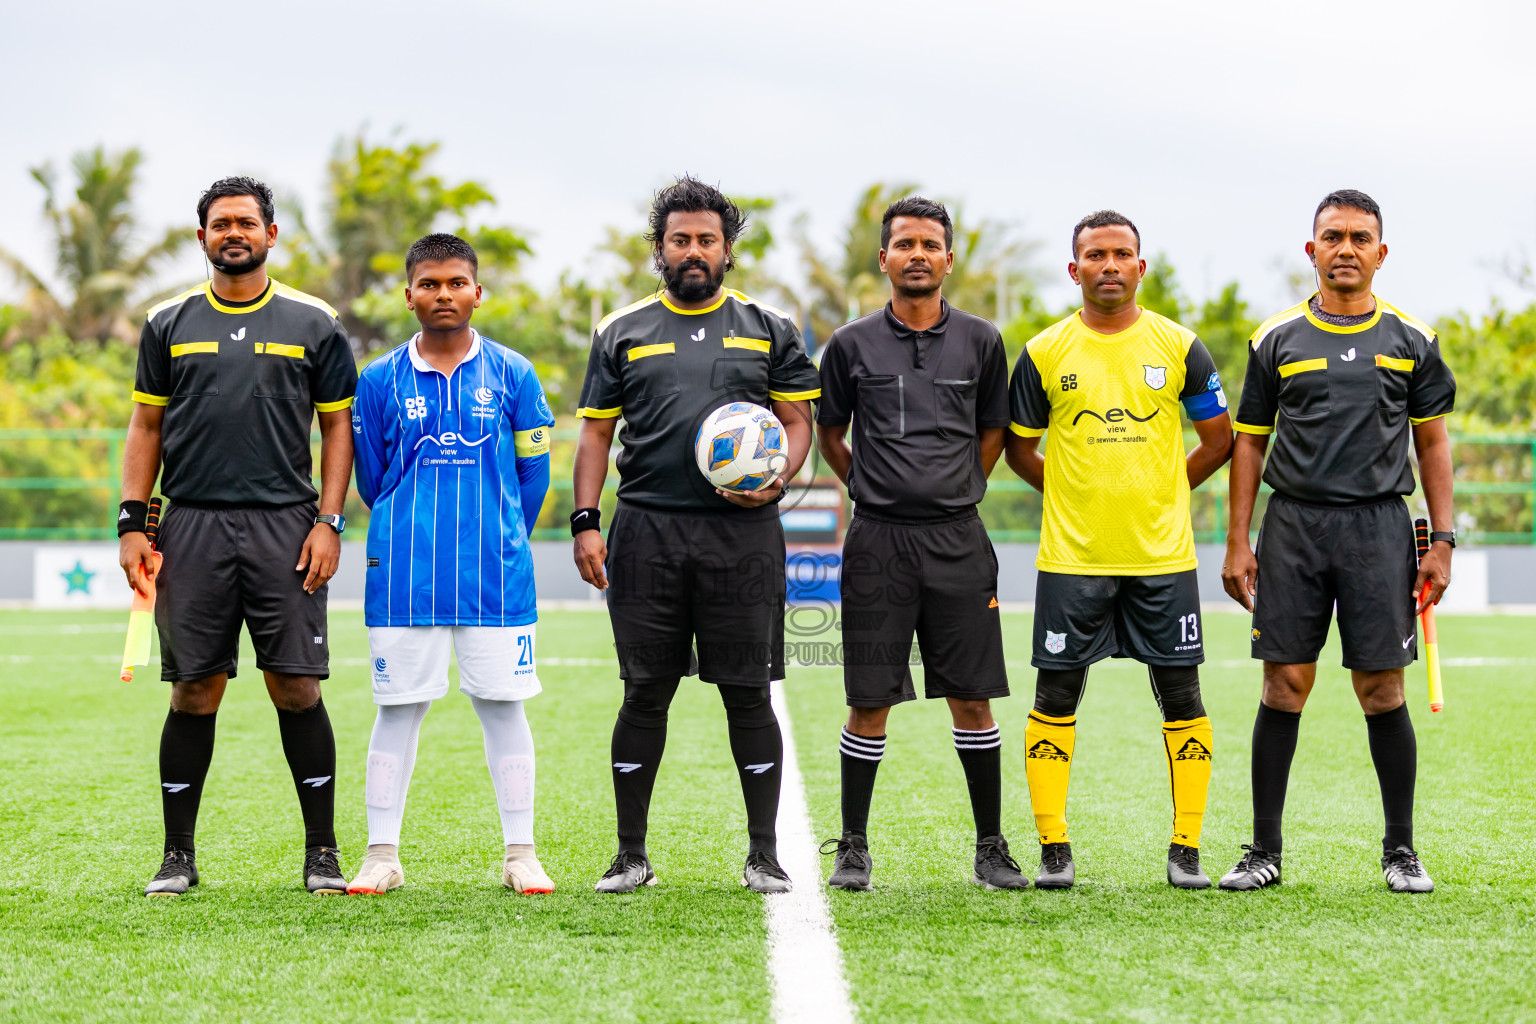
x=1023, y=431
x=345, y=403
x=1303, y=366
x=193, y=348
x=1416, y=420
x=529, y=443
x=794, y=396
x=755, y=344
x=143, y=399
x=599, y=414
x=1248, y=428
x=641, y=351
x=696, y=312
x=1388, y=363
x=274, y=349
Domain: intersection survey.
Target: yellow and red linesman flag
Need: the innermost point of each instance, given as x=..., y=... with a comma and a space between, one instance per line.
x=1427, y=621
x=141, y=620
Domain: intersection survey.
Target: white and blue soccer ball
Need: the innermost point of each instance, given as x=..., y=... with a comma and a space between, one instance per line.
x=740, y=447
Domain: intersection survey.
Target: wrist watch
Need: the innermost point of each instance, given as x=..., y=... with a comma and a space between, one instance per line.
x=1448, y=536
x=337, y=522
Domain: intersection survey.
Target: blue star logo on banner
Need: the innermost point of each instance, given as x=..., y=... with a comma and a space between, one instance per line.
x=78, y=578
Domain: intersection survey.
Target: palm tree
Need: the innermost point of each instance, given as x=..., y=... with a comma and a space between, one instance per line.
x=96, y=260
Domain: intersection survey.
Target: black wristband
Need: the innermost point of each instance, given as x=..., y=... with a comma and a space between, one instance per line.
x=1448, y=536
x=132, y=517
x=584, y=519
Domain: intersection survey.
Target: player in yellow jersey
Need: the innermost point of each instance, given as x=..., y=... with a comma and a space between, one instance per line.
x=1117, y=555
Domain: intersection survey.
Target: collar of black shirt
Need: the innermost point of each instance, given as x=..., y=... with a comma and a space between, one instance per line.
x=904, y=332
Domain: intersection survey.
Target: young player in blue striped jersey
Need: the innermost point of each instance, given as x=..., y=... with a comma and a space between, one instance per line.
x=452, y=440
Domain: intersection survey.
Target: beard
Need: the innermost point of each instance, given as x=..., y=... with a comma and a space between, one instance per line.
x=692, y=290
x=236, y=267
x=919, y=288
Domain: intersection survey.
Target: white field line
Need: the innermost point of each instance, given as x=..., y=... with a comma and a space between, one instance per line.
x=805, y=966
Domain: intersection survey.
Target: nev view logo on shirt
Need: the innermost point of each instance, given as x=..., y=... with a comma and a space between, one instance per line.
x=448, y=453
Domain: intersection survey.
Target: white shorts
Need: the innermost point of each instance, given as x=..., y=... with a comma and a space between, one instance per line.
x=410, y=663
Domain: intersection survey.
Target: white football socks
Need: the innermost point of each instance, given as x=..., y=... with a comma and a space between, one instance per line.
x=509, y=754
x=391, y=758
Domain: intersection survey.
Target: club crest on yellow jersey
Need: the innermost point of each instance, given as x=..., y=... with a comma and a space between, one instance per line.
x=1156, y=376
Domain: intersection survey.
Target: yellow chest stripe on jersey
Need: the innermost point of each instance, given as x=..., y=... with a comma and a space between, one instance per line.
x=1303, y=366
x=755, y=344
x=641, y=351
x=193, y=348
x=1388, y=363
x=272, y=348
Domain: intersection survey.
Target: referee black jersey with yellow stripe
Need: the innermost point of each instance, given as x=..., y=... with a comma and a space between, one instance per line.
x=1340, y=402
x=664, y=369
x=240, y=384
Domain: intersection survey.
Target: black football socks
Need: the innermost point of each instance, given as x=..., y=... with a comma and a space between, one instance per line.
x=186, y=750
x=981, y=755
x=310, y=746
x=861, y=756
x=758, y=747
x=639, y=739
x=1395, y=752
x=1274, y=744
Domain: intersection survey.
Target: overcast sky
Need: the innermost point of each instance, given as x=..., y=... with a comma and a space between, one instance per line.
x=1216, y=127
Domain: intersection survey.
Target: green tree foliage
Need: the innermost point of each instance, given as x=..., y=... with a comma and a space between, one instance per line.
x=379, y=199
x=992, y=275
x=53, y=383
x=97, y=257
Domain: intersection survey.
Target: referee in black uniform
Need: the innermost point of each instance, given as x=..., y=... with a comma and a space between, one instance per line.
x=926, y=388
x=688, y=562
x=231, y=375
x=1341, y=381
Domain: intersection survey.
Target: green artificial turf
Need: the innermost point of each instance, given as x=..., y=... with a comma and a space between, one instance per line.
x=1330, y=944
x=80, y=828
x=80, y=834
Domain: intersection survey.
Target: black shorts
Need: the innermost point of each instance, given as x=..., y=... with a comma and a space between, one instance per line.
x=714, y=577
x=935, y=579
x=227, y=566
x=1362, y=559
x=1083, y=619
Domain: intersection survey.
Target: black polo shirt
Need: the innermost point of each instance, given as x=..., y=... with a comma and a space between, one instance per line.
x=1341, y=401
x=240, y=385
x=665, y=369
x=918, y=401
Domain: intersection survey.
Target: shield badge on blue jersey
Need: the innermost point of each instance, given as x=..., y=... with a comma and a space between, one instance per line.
x=1157, y=376
x=1055, y=642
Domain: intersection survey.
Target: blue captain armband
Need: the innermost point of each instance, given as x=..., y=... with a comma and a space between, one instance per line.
x=1207, y=404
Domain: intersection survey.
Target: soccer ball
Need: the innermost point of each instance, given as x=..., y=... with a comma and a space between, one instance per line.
x=740, y=447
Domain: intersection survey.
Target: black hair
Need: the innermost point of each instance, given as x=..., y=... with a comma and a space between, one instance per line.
x=1349, y=198
x=690, y=195
x=1104, y=219
x=922, y=209
x=439, y=248
x=225, y=188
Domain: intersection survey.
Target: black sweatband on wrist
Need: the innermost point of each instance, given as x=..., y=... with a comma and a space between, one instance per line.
x=132, y=517
x=584, y=519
